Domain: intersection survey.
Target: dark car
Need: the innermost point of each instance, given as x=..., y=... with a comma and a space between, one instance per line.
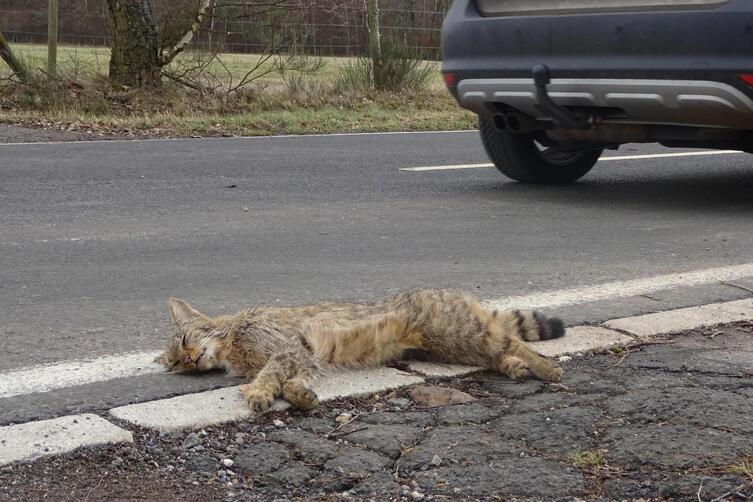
x=556, y=82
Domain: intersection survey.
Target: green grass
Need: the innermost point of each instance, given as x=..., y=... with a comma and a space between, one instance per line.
x=293, y=102
x=744, y=469
x=587, y=459
x=70, y=58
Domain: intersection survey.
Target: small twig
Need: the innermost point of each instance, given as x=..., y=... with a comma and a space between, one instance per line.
x=343, y=425
x=184, y=82
x=738, y=287
x=714, y=334
x=733, y=491
x=650, y=297
x=95, y=486
x=649, y=343
x=481, y=380
x=560, y=387
x=250, y=74
x=700, y=489
x=627, y=353
x=340, y=433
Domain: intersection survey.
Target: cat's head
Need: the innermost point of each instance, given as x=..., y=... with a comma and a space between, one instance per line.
x=193, y=346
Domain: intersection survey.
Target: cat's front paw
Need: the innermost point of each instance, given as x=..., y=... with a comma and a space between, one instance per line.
x=554, y=374
x=300, y=396
x=258, y=399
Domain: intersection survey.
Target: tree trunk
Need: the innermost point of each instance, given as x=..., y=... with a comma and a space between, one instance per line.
x=135, y=59
x=16, y=65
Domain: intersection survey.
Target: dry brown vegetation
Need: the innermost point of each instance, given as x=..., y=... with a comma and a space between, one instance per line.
x=280, y=96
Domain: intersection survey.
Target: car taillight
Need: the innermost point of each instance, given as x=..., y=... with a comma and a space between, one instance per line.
x=449, y=79
x=747, y=78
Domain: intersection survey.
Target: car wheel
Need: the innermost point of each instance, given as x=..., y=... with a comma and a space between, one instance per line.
x=520, y=157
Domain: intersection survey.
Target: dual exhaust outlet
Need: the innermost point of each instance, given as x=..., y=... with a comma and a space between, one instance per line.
x=516, y=123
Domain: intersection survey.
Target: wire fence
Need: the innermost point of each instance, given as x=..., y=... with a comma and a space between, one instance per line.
x=322, y=27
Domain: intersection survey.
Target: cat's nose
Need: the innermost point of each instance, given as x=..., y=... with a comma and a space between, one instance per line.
x=185, y=359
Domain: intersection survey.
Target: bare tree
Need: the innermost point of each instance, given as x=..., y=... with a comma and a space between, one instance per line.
x=140, y=52
x=16, y=65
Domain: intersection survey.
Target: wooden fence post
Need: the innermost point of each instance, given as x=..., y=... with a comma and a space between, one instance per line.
x=372, y=26
x=52, y=38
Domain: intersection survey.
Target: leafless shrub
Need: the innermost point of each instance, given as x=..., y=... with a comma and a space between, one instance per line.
x=395, y=68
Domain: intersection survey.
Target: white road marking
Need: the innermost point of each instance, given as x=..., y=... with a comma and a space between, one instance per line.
x=603, y=159
x=48, y=377
x=621, y=289
x=669, y=155
x=26, y=442
x=236, y=138
x=70, y=373
x=446, y=168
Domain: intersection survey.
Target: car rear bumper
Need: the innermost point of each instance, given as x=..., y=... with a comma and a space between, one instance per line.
x=678, y=67
x=669, y=102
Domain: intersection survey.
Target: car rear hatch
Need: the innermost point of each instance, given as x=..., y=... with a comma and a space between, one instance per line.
x=648, y=61
x=675, y=39
x=554, y=7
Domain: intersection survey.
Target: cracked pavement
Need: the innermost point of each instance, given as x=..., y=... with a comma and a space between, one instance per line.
x=666, y=421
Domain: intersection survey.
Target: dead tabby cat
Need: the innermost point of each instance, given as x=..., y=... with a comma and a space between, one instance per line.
x=283, y=348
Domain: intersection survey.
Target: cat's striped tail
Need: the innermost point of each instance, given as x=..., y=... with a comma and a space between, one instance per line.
x=533, y=326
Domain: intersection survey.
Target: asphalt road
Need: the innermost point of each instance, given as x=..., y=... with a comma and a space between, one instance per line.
x=94, y=237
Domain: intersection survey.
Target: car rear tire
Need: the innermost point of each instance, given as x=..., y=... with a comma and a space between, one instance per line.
x=519, y=157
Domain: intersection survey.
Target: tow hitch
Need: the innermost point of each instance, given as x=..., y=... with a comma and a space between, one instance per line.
x=560, y=115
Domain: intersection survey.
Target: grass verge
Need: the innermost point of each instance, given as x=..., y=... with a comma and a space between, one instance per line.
x=289, y=103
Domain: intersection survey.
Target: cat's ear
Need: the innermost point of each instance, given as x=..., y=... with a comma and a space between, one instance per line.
x=181, y=311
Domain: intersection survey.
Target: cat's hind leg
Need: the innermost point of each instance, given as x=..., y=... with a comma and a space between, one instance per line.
x=513, y=366
x=296, y=390
x=510, y=354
